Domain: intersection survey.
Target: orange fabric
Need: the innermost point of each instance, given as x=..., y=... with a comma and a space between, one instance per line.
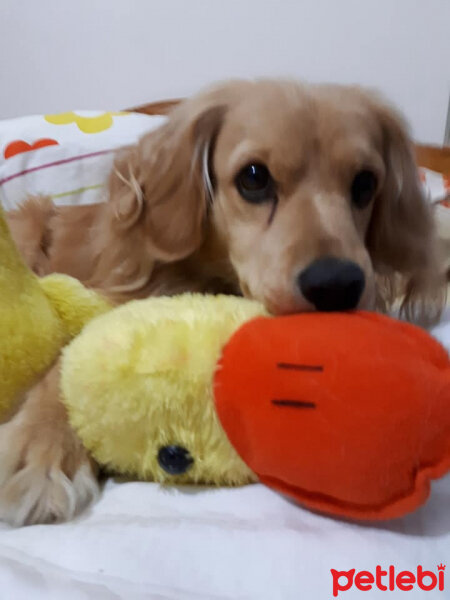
x=347, y=413
x=20, y=146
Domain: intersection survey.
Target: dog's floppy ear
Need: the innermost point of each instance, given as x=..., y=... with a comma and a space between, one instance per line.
x=162, y=183
x=401, y=237
x=125, y=192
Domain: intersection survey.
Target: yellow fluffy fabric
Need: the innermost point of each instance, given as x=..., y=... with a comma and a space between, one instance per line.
x=74, y=304
x=140, y=378
x=36, y=320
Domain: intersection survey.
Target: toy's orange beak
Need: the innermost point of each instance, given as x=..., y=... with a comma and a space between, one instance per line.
x=329, y=409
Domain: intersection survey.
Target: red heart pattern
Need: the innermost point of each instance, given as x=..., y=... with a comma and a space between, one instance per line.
x=20, y=146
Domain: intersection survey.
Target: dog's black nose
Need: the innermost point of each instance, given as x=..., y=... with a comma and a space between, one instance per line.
x=332, y=284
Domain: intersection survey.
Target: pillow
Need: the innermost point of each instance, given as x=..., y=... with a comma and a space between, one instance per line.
x=66, y=156
x=437, y=187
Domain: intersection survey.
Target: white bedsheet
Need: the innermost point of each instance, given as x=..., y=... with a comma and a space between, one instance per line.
x=143, y=541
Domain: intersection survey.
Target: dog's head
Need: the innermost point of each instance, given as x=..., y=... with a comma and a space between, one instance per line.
x=312, y=192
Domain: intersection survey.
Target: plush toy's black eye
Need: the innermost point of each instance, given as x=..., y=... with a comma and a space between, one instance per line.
x=255, y=184
x=363, y=188
x=175, y=460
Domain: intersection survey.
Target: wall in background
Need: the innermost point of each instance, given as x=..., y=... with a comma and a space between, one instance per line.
x=57, y=55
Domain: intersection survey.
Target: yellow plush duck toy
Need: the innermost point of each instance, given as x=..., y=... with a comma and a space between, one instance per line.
x=37, y=317
x=210, y=389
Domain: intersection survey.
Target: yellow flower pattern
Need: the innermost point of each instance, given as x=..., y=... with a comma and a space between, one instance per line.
x=94, y=124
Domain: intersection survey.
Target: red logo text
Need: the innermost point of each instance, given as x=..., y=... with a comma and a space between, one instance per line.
x=388, y=579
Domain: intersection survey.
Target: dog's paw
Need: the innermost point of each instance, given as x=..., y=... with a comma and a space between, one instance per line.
x=43, y=478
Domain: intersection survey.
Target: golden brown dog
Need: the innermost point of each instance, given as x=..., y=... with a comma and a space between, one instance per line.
x=303, y=197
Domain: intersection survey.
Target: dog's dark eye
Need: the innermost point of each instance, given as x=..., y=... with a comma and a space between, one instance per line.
x=363, y=188
x=174, y=460
x=255, y=184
